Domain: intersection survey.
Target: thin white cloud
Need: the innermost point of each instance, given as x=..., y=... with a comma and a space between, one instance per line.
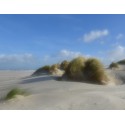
x=16, y=57
x=29, y=61
x=116, y=54
x=63, y=55
x=95, y=34
x=113, y=55
x=119, y=36
x=17, y=61
x=70, y=54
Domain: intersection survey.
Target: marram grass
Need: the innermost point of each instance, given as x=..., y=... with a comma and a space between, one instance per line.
x=81, y=69
x=14, y=92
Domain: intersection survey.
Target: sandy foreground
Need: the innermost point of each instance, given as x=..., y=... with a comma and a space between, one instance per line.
x=48, y=93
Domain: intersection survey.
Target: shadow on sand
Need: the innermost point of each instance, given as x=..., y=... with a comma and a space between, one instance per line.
x=37, y=79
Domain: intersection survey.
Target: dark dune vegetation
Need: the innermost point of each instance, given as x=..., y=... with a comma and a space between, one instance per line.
x=122, y=62
x=91, y=70
x=45, y=70
x=42, y=70
x=113, y=65
x=78, y=69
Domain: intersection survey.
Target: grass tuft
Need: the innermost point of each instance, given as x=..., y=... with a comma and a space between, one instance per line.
x=42, y=70
x=81, y=69
x=94, y=71
x=54, y=67
x=75, y=68
x=12, y=93
x=64, y=65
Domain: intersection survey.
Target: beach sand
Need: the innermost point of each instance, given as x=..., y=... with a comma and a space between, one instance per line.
x=46, y=93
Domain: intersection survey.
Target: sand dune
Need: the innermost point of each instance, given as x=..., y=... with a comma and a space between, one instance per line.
x=48, y=93
x=117, y=75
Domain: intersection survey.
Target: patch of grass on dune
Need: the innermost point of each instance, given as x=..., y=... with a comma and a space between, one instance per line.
x=54, y=67
x=81, y=69
x=94, y=71
x=75, y=68
x=14, y=92
x=64, y=65
x=44, y=69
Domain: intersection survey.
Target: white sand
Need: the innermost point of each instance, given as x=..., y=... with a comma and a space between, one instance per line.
x=47, y=93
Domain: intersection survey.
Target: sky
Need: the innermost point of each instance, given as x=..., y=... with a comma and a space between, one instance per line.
x=31, y=41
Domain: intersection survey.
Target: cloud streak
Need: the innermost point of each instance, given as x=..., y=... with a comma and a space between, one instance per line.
x=63, y=55
x=16, y=57
x=119, y=36
x=117, y=54
x=17, y=61
x=70, y=54
x=95, y=34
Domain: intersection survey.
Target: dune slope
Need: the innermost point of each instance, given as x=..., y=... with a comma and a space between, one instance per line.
x=48, y=93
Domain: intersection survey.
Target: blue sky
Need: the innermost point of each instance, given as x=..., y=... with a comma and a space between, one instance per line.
x=30, y=41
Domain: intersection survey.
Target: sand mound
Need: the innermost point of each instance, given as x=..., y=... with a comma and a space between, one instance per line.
x=57, y=72
x=116, y=76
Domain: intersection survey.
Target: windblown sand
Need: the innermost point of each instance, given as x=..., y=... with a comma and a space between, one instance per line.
x=48, y=93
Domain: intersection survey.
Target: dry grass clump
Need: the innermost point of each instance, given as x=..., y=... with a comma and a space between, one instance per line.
x=94, y=71
x=81, y=69
x=55, y=70
x=14, y=92
x=64, y=65
x=75, y=68
x=54, y=67
x=46, y=70
x=113, y=65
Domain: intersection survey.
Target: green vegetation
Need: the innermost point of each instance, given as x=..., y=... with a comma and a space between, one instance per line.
x=75, y=68
x=113, y=65
x=44, y=69
x=122, y=62
x=12, y=93
x=81, y=69
x=94, y=71
x=64, y=65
